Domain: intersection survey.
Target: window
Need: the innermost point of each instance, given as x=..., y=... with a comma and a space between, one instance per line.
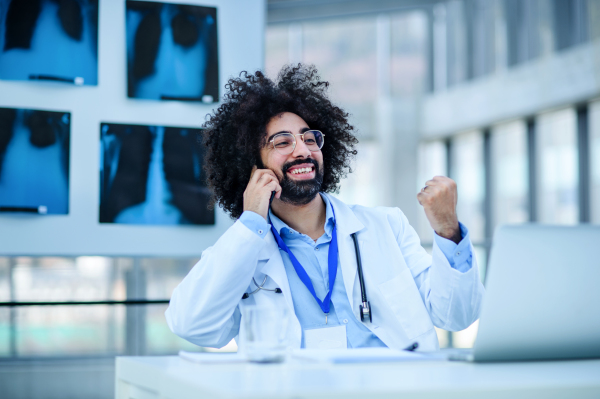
x=88, y=330
x=277, y=47
x=456, y=48
x=471, y=36
x=522, y=30
x=409, y=49
x=480, y=16
x=557, y=167
x=594, y=137
x=509, y=173
x=594, y=13
x=345, y=54
x=467, y=169
x=362, y=186
x=570, y=22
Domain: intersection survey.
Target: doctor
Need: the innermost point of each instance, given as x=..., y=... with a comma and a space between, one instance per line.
x=287, y=137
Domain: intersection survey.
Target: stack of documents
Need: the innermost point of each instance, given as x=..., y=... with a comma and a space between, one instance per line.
x=211, y=357
x=359, y=355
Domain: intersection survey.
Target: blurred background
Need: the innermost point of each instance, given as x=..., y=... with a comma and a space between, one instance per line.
x=503, y=96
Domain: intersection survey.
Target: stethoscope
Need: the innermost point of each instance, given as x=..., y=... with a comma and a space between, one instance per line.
x=365, y=308
x=260, y=287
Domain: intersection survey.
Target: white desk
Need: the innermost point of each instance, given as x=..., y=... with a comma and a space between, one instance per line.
x=170, y=377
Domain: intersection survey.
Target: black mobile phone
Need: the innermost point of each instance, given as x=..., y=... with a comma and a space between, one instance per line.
x=272, y=197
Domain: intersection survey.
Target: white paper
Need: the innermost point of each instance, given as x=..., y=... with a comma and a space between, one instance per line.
x=328, y=338
x=359, y=355
x=212, y=358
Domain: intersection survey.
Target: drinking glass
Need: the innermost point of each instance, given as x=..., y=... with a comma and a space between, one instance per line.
x=265, y=333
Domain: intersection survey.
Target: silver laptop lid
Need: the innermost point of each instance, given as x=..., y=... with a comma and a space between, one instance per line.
x=542, y=296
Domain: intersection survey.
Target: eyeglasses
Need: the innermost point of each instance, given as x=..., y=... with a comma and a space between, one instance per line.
x=285, y=143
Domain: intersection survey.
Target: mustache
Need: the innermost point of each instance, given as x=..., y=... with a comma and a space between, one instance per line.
x=290, y=165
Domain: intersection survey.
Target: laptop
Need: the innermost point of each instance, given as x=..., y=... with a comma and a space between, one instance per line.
x=542, y=297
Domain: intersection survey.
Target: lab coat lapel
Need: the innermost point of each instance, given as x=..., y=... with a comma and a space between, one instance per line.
x=274, y=268
x=346, y=224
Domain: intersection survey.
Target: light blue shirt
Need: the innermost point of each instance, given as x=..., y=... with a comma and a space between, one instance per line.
x=313, y=258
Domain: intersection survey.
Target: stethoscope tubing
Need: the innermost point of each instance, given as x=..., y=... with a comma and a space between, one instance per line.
x=363, y=290
x=260, y=287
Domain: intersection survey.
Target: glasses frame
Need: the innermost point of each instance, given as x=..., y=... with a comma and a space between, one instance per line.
x=272, y=141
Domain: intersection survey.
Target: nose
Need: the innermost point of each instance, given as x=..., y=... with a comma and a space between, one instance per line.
x=301, y=150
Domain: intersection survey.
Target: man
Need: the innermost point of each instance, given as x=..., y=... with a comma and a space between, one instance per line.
x=288, y=138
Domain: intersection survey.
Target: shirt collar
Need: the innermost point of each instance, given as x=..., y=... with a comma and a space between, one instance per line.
x=283, y=229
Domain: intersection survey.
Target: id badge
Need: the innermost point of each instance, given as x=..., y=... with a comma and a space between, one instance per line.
x=326, y=338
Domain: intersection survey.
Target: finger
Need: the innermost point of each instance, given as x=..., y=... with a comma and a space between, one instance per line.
x=421, y=198
x=271, y=173
x=266, y=178
x=254, y=168
x=264, y=172
x=445, y=185
x=257, y=175
x=429, y=189
x=273, y=186
x=278, y=191
x=261, y=176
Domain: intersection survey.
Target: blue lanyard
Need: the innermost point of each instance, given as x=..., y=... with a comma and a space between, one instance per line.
x=332, y=261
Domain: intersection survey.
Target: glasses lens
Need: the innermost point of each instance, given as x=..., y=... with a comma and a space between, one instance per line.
x=313, y=140
x=284, y=143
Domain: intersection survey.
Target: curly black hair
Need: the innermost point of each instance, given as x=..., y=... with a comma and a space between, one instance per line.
x=235, y=133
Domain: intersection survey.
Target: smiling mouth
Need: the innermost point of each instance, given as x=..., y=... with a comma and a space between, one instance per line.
x=302, y=171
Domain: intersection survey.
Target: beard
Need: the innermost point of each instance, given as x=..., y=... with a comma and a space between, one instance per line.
x=300, y=192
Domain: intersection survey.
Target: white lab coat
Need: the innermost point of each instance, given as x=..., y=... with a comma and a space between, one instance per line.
x=409, y=290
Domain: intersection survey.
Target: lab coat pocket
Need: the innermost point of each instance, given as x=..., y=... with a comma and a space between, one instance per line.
x=403, y=297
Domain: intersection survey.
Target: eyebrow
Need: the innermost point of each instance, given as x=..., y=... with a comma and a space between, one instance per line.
x=304, y=129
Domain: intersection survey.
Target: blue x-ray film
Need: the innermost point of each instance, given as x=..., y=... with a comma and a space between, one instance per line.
x=34, y=161
x=153, y=175
x=49, y=40
x=172, y=52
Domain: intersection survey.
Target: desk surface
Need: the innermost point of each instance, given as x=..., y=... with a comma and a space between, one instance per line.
x=170, y=377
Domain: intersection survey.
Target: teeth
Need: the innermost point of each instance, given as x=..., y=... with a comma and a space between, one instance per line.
x=301, y=170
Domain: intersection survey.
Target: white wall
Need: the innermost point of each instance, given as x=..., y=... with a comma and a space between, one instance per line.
x=241, y=26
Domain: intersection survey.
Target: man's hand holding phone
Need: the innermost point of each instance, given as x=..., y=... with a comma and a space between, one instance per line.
x=257, y=195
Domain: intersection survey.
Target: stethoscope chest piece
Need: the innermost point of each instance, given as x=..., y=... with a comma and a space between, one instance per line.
x=365, y=312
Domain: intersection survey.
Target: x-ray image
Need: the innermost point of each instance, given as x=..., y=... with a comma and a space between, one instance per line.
x=52, y=40
x=34, y=161
x=172, y=52
x=152, y=175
